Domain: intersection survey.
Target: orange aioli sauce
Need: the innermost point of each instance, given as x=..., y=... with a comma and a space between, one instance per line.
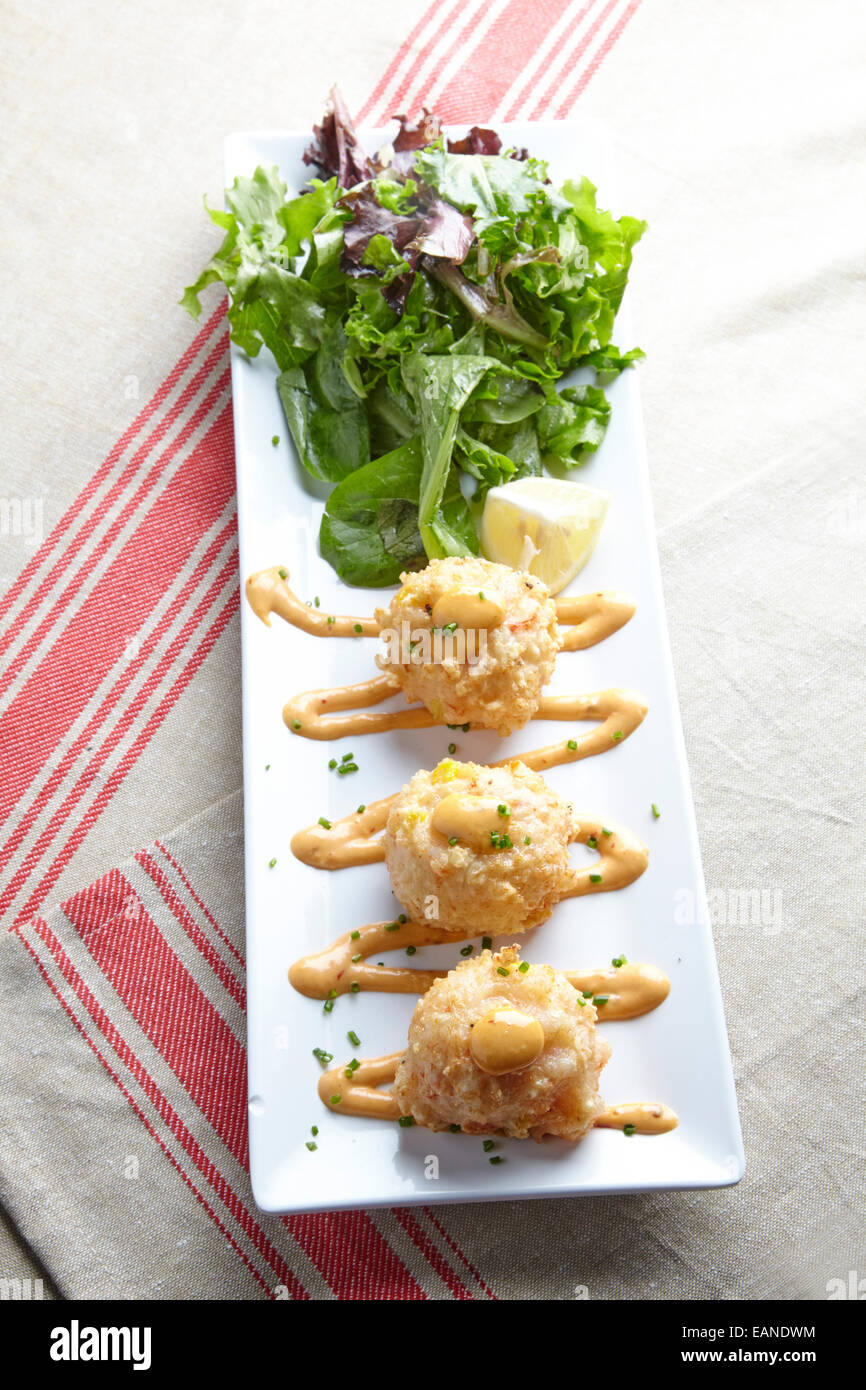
x=351, y=841
x=268, y=592
x=358, y=1092
x=632, y=989
x=590, y=617
x=320, y=714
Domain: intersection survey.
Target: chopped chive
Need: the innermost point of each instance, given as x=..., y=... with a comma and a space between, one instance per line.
x=410, y=950
x=481, y=595
x=617, y=736
x=402, y=918
x=332, y=763
x=353, y=1038
x=581, y=1002
x=358, y=627
x=314, y=1129
x=284, y=574
x=406, y=1121
x=275, y=439
x=629, y=1130
x=272, y=863
x=488, y=1145
x=346, y=767
x=600, y=1000
x=486, y=943
x=605, y=831
x=466, y=950
x=501, y=970
x=312, y=1146
x=587, y=994
x=296, y=723
x=592, y=842
x=352, y=1067
x=330, y=620
x=523, y=967
x=465, y=728
x=595, y=878
x=356, y=958
x=355, y=935
x=325, y=824
x=655, y=810
x=322, y=1056
x=335, y=1100
x=393, y=926
x=455, y=1129
x=328, y=1006
x=452, y=839
x=316, y=600
x=361, y=809
x=267, y=767
x=452, y=748
x=618, y=961
x=502, y=810
x=572, y=745
x=496, y=1159
x=354, y=987
x=347, y=757
x=527, y=840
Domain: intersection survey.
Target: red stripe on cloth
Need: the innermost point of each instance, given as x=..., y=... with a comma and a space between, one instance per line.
x=430, y=1253
x=449, y=17
x=523, y=91
x=96, y=723
x=574, y=59
x=54, y=606
x=113, y=781
x=431, y=1217
x=193, y=931
x=63, y=527
x=166, y=1003
x=513, y=38
x=462, y=31
x=355, y=1259
x=137, y=579
x=75, y=580
x=383, y=85
x=166, y=1114
x=209, y=1062
x=599, y=58
x=198, y=902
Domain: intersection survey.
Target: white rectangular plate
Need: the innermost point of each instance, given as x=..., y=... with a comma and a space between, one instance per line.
x=678, y=1054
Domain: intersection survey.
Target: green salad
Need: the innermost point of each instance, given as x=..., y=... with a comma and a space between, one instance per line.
x=421, y=306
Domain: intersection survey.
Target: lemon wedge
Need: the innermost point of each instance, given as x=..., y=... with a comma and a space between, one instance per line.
x=543, y=525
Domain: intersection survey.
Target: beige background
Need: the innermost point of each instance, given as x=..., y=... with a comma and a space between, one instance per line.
x=739, y=132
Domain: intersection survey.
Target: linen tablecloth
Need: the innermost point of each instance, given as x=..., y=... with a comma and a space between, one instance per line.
x=739, y=132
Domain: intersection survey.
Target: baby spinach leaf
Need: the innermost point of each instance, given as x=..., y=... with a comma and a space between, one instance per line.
x=370, y=531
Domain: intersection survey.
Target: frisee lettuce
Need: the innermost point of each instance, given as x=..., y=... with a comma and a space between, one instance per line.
x=421, y=306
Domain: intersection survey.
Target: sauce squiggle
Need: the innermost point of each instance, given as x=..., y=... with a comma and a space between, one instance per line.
x=268, y=592
x=351, y=841
x=592, y=617
x=631, y=989
x=358, y=1093
x=317, y=714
